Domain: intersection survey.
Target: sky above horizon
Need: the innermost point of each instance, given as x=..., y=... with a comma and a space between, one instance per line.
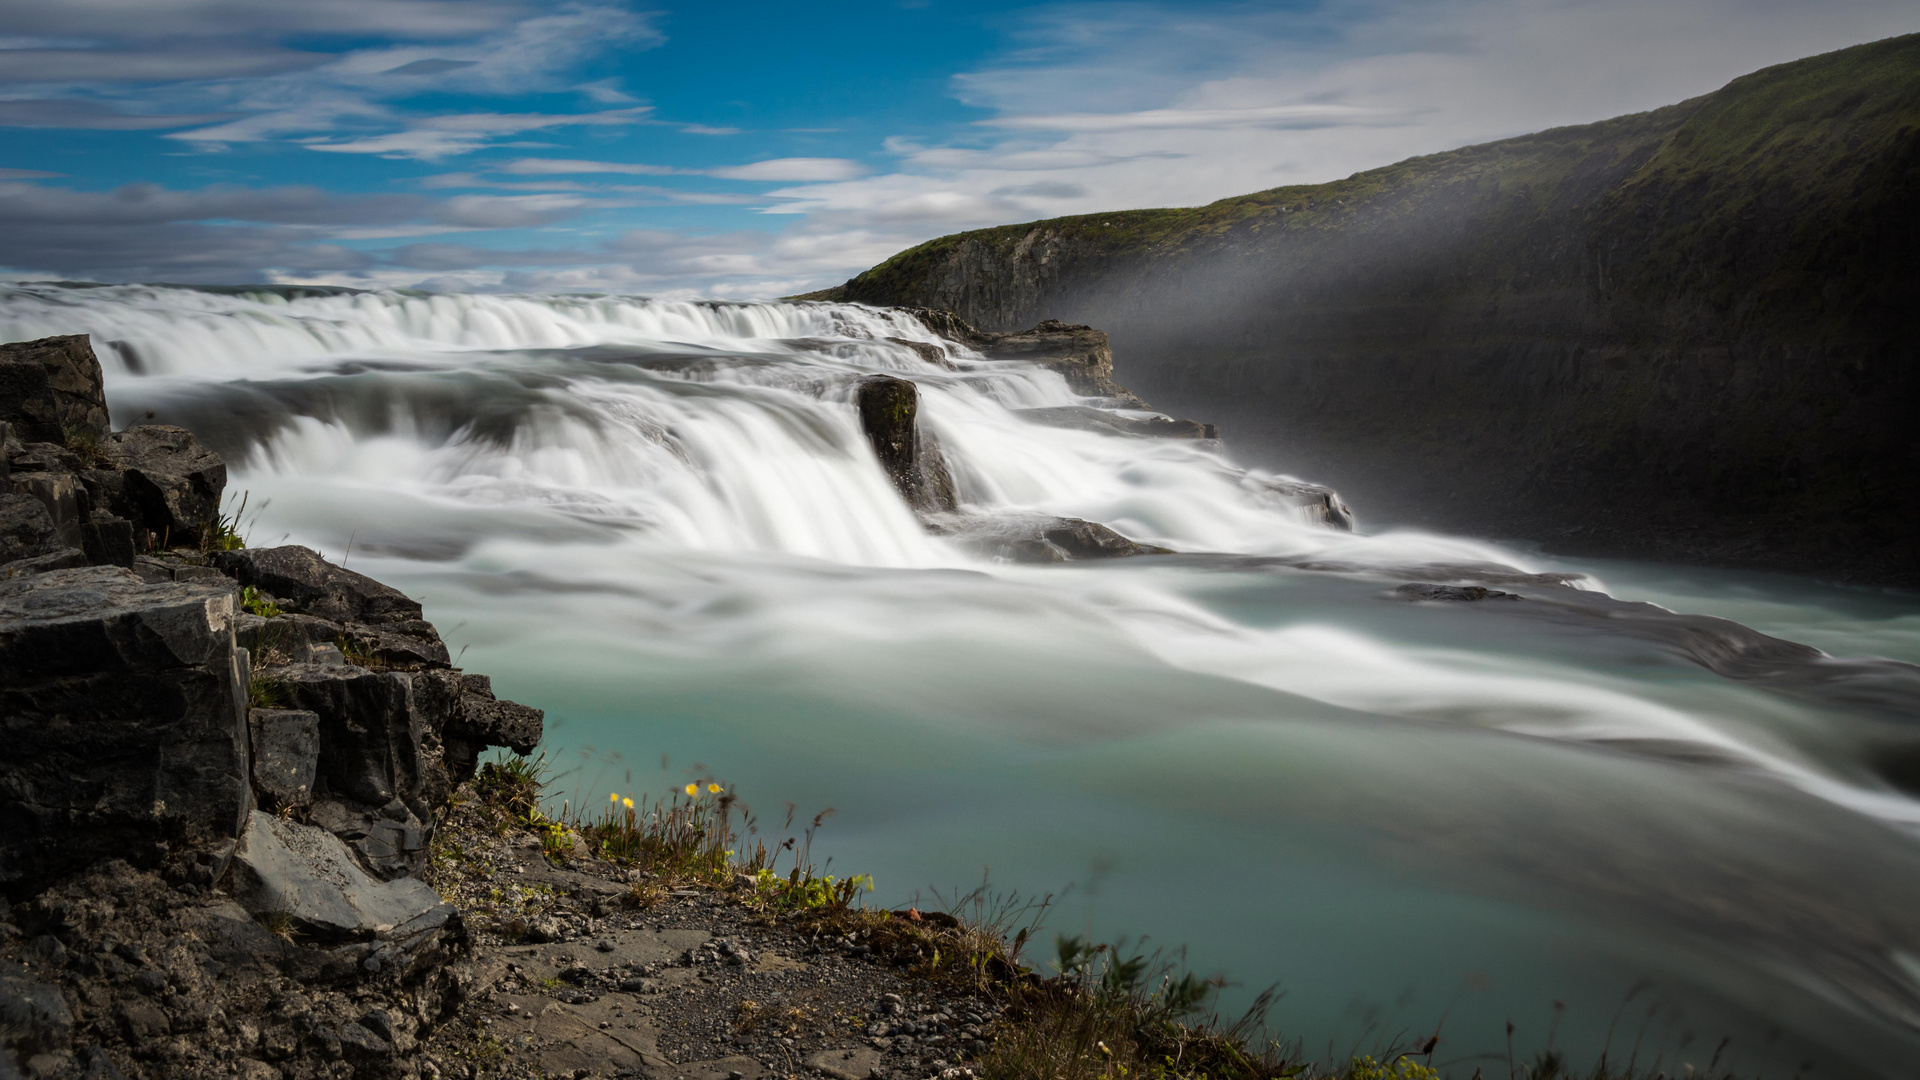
x=755, y=149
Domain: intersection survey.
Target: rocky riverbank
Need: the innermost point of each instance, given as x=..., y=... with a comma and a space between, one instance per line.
x=227, y=769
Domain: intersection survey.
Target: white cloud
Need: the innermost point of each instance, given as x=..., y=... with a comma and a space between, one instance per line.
x=69, y=113
x=1227, y=119
x=1119, y=106
x=435, y=137
x=1093, y=106
x=607, y=92
x=333, y=102
x=793, y=169
x=232, y=18
x=565, y=167
x=778, y=169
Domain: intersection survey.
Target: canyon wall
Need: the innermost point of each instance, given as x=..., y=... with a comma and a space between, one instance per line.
x=1684, y=334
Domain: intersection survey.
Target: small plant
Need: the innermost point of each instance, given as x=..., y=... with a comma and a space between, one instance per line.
x=280, y=924
x=224, y=534
x=556, y=841
x=357, y=653
x=259, y=603
x=83, y=445
x=687, y=836
x=263, y=693
x=644, y=894
x=797, y=893
x=1400, y=1068
x=513, y=786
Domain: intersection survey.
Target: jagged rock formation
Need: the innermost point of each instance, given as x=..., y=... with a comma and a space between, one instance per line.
x=105, y=496
x=1079, y=353
x=180, y=770
x=1691, y=333
x=52, y=388
x=889, y=414
x=123, y=711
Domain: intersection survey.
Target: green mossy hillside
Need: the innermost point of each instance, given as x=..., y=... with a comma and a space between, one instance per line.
x=1691, y=333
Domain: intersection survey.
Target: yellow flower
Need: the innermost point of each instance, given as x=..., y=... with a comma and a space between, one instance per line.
x=692, y=790
x=713, y=787
x=629, y=803
x=613, y=796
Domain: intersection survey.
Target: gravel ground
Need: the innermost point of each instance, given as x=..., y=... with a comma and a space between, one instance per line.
x=588, y=969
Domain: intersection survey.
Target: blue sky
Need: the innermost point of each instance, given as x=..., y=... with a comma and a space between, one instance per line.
x=755, y=149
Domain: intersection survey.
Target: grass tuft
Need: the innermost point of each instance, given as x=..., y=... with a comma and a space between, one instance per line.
x=258, y=603
x=264, y=693
x=83, y=445
x=512, y=788
x=225, y=534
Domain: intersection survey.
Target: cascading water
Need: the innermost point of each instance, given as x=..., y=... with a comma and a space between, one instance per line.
x=662, y=522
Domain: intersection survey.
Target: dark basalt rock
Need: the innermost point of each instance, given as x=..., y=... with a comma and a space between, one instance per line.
x=1456, y=593
x=417, y=646
x=488, y=719
x=484, y=720
x=309, y=876
x=27, y=530
x=121, y=713
x=1042, y=540
x=166, y=481
x=889, y=411
x=288, y=639
x=62, y=495
x=379, y=776
x=1084, y=418
x=27, y=401
x=130, y=749
x=107, y=540
x=71, y=375
x=300, y=580
x=286, y=751
x=927, y=351
x=1080, y=353
x=34, y=1018
x=1321, y=504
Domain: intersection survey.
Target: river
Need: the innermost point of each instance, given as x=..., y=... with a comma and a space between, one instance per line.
x=1594, y=807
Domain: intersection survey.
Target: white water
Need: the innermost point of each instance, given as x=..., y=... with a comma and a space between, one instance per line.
x=661, y=522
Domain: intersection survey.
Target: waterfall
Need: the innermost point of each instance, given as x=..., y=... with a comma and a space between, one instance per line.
x=663, y=522
x=722, y=426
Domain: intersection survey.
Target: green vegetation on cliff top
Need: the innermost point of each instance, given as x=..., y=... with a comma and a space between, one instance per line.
x=1810, y=134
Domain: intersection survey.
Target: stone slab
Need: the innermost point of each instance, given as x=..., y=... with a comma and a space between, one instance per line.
x=309, y=875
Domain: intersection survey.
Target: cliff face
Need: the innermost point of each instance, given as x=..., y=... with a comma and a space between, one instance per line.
x=1689, y=333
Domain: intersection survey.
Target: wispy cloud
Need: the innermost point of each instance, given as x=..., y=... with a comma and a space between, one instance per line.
x=199, y=19
x=791, y=169
x=1111, y=106
x=70, y=113
x=568, y=167
x=1085, y=106
x=776, y=169
x=1227, y=119
x=200, y=53
x=436, y=137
